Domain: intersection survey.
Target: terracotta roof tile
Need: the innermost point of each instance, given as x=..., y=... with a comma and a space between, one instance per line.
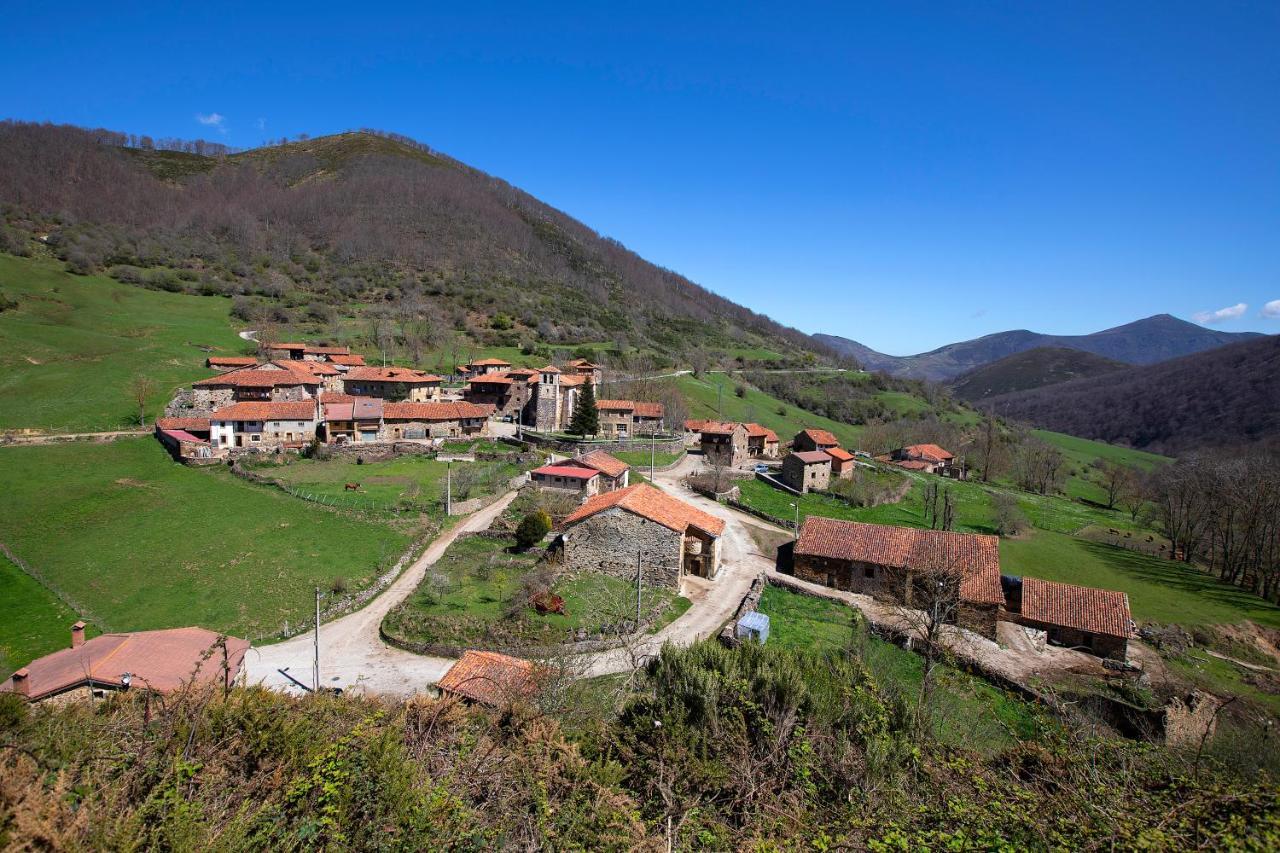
x=348, y=360
x=647, y=502
x=257, y=378
x=197, y=424
x=820, y=436
x=491, y=379
x=976, y=557
x=839, y=453
x=927, y=452
x=161, y=660
x=491, y=679
x=604, y=463
x=267, y=411
x=490, y=362
x=564, y=469
x=649, y=410
x=757, y=431
x=404, y=375
x=436, y=411
x=573, y=380
x=550, y=368
x=616, y=405
x=812, y=457
x=1098, y=611
x=719, y=428
x=328, y=350
x=230, y=361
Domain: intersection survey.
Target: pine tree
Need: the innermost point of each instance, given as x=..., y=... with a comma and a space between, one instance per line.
x=585, y=420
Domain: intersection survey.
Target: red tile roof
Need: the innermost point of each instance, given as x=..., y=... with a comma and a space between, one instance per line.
x=718, y=428
x=820, y=436
x=550, y=368
x=927, y=452
x=577, y=472
x=308, y=368
x=267, y=411
x=197, y=424
x=756, y=431
x=573, y=380
x=1098, y=611
x=348, y=360
x=183, y=435
x=161, y=660
x=647, y=502
x=976, y=557
x=839, y=453
x=403, y=375
x=604, y=463
x=286, y=346
x=813, y=457
x=229, y=361
x=435, y=411
x=491, y=679
x=491, y=379
x=490, y=362
x=335, y=397
x=257, y=378
x=649, y=410
x=616, y=405
x=695, y=425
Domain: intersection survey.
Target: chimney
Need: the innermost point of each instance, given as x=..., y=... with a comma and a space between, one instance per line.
x=77, y=635
x=20, y=685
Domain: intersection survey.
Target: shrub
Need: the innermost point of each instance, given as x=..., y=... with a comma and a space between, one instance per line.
x=740, y=391
x=533, y=527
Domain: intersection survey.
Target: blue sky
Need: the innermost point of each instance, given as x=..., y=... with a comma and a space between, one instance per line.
x=903, y=174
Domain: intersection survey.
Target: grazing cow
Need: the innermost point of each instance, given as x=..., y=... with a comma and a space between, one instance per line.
x=351, y=487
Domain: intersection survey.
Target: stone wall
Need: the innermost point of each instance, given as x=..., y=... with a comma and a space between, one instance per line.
x=608, y=543
x=572, y=448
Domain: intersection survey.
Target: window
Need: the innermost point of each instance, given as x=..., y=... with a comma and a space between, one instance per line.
x=255, y=437
x=869, y=572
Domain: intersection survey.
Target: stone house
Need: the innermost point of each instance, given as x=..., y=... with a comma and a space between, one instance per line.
x=346, y=362
x=627, y=418
x=326, y=354
x=807, y=470
x=724, y=444
x=814, y=439
x=1094, y=620
x=762, y=443
x=263, y=425
x=392, y=383
x=669, y=538
x=512, y=393
x=259, y=383
x=485, y=366
x=434, y=420
x=567, y=477
x=160, y=661
x=889, y=564
x=592, y=372
x=539, y=399
x=842, y=463
x=614, y=473
x=186, y=439
x=229, y=362
x=929, y=458
x=350, y=420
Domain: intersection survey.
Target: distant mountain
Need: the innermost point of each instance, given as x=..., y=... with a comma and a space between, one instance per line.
x=1224, y=397
x=1142, y=342
x=1026, y=371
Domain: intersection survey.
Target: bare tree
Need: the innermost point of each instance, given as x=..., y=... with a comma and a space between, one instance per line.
x=141, y=388
x=932, y=601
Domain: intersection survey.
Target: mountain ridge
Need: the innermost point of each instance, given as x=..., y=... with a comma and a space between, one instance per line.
x=1145, y=341
x=1028, y=370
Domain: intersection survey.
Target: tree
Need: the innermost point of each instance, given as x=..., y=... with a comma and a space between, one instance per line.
x=933, y=588
x=141, y=388
x=1117, y=481
x=586, y=418
x=533, y=527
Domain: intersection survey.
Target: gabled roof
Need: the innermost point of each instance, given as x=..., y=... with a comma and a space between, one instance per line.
x=197, y=424
x=348, y=360
x=491, y=679
x=230, y=361
x=695, y=424
x=267, y=411
x=404, y=375
x=257, y=378
x=757, y=431
x=604, y=463
x=565, y=469
x=839, y=454
x=616, y=405
x=550, y=368
x=812, y=457
x=344, y=407
x=490, y=362
x=975, y=557
x=647, y=502
x=435, y=411
x=1098, y=611
x=183, y=435
x=649, y=410
x=308, y=368
x=491, y=379
x=161, y=660
x=719, y=428
x=928, y=452
x=573, y=379
x=820, y=436
x=286, y=346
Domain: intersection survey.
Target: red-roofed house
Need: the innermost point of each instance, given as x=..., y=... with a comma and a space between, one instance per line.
x=807, y=470
x=567, y=477
x=614, y=473
x=263, y=425
x=668, y=537
x=1081, y=617
x=484, y=366
x=435, y=420
x=163, y=661
x=814, y=439
x=929, y=458
x=392, y=383
x=881, y=560
x=492, y=679
x=723, y=443
x=842, y=462
x=762, y=443
x=351, y=420
x=624, y=418
x=252, y=384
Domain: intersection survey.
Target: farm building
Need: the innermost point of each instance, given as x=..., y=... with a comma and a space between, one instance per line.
x=929, y=458
x=669, y=538
x=162, y=661
x=842, y=462
x=257, y=383
x=229, y=362
x=1080, y=617
x=492, y=679
x=434, y=420
x=807, y=470
x=264, y=426
x=614, y=473
x=762, y=443
x=814, y=439
x=625, y=418
x=724, y=444
x=186, y=439
x=567, y=477
x=392, y=383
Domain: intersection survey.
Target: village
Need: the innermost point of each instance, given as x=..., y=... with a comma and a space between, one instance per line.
x=670, y=531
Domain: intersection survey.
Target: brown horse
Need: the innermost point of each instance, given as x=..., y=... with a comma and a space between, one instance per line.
x=351, y=487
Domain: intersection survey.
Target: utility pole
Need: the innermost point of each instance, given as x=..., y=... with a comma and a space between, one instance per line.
x=720, y=400
x=639, y=583
x=448, y=488
x=653, y=453
x=797, y=524
x=316, y=679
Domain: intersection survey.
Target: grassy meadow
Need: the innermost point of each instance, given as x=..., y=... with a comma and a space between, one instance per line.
x=701, y=395
x=147, y=543
x=73, y=343
x=33, y=622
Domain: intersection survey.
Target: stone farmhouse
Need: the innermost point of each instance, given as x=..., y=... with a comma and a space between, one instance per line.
x=1081, y=617
x=613, y=531
x=264, y=425
x=350, y=420
x=929, y=458
x=258, y=383
x=814, y=439
x=762, y=443
x=807, y=470
x=392, y=383
x=491, y=679
x=887, y=563
x=160, y=661
x=842, y=463
x=434, y=420
x=723, y=444
x=627, y=418
x=585, y=476
x=485, y=366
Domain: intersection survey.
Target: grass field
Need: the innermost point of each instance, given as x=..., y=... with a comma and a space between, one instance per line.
x=968, y=711
x=33, y=622
x=701, y=395
x=71, y=347
x=147, y=543
x=475, y=595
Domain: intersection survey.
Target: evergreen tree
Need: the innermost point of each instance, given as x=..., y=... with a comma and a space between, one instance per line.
x=585, y=420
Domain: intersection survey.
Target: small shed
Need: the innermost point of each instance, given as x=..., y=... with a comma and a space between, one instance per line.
x=754, y=626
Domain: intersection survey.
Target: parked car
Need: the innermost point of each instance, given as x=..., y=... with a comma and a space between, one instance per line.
x=761, y=469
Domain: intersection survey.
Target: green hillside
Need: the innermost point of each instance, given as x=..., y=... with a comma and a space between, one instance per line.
x=1034, y=368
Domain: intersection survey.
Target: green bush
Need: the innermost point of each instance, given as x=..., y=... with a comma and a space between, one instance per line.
x=533, y=527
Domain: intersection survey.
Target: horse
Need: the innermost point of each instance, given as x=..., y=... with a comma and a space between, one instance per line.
x=351, y=487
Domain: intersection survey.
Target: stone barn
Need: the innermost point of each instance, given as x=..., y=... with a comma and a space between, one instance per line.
x=886, y=562
x=814, y=439
x=807, y=470
x=669, y=537
x=724, y=444
x=1079, y=617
